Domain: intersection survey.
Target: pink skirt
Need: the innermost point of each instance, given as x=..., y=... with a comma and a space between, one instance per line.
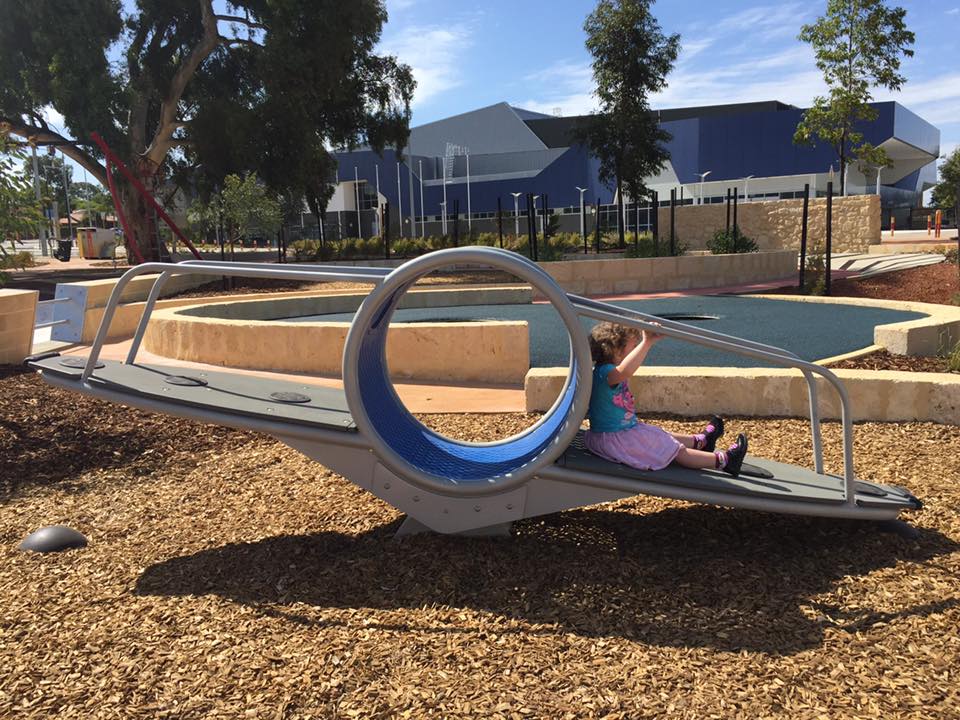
x=645, y=447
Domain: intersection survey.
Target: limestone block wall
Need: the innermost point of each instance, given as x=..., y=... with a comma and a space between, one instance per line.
x=615, y=276
x=776, y=224
x=18, y=310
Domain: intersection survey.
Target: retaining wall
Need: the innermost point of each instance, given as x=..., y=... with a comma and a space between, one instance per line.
x=18, y=310
x=776, y=224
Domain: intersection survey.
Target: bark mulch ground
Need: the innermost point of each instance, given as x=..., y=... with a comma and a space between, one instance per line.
x=928, y=283
x=229, y=577
x=884, y=360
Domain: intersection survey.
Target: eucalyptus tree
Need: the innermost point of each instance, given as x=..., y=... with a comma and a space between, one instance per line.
x=189, y=95
x=858, y=46
x=631, y=60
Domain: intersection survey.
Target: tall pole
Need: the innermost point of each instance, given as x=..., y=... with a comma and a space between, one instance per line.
x=736, y=228
x=36, y=189
x=444, y=223
x=66, y=193
x=583, y=224
x=413, y=204
x=673, y=215
x=469, y=211
x=423, y=213
x=356, y=192
x=826, y=262
x=878, y=182
x=516, y=214
x=399, y=202
x=376, y=170
x=655, y=224
x=728, y=212
x=803, y=236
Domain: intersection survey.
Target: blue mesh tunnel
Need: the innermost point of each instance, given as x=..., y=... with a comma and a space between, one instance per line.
x=422, y=456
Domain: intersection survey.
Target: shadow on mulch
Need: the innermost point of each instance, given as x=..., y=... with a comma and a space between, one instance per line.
x=689, y=577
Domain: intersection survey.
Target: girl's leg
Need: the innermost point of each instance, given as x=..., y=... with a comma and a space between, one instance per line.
x=688, y=441
x=690, y=458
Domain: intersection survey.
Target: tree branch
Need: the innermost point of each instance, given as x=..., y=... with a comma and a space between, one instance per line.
x=87, y=161
x=239, y=41
x=168, y=109
x=244, y=21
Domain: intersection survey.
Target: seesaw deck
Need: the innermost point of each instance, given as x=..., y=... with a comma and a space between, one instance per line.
x=251, y=401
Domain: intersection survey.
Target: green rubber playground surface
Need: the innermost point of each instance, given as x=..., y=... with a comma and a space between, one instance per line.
x=812, y=331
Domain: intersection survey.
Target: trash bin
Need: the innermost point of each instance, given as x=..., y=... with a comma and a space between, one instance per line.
x=94, y=243
x=64, y=248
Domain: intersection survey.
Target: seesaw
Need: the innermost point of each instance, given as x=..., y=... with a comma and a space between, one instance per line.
x=367, y=435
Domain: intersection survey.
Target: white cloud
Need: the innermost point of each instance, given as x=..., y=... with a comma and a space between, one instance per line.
x=53, y=118
x=954, y=11
x=433, y=52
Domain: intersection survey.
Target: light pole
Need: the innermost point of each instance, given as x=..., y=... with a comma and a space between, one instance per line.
x=423, y=213
x=702, y=176
x=878, y=182
x=535, y=213
x=376, y=169
x=356, y=193
x=516, y=213
x=469, y=213
x=399, y=203
x=746, y=188
x=583, y=226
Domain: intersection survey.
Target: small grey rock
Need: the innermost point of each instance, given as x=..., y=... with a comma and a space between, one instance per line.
x=53, y=538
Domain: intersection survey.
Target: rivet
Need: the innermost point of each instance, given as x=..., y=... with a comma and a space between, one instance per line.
x=476, y=508
x=416, y=498
x=386, y=486
x=509, y=506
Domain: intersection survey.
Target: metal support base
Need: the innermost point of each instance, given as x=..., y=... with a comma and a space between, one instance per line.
x=415, y=527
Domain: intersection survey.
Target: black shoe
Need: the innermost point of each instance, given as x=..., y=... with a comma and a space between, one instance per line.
x=735, y=456
x=711, y=436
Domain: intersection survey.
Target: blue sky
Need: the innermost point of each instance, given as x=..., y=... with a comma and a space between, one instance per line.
x=531, y=54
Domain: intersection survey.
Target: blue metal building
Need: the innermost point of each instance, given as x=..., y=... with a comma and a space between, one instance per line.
x=469, y=161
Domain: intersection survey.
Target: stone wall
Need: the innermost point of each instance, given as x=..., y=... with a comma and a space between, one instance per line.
x=18, y=311
x=616, y=276
x=775, y=225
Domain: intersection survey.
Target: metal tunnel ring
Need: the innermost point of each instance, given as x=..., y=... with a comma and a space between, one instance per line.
x=423, y=457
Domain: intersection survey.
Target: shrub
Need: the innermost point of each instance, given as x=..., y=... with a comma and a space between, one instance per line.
x=953, y=359
x=729, y=243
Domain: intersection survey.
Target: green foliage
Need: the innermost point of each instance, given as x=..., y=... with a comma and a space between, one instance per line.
x=19, y=213
x=186, y=94
x=51, y=170
x=243, y=205
x=728, y=243
x=858, y=45
x=953, y=359
x=631, y=61
x=815, y=281
x=946, y=194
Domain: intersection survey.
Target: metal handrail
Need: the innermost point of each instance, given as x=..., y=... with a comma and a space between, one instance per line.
x=351, y=272
x=587, y=307
x=694, y=337
x=704, y=332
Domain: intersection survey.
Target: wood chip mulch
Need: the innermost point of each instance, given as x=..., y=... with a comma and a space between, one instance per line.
x=884, y=360
x=228, y=576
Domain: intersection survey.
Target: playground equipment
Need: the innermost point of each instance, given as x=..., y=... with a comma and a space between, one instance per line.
x=365, y=433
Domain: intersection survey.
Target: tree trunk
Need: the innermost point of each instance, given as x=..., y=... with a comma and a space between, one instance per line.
x=141, y=220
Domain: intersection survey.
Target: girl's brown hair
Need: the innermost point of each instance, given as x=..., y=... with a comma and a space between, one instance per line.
x=607, y=339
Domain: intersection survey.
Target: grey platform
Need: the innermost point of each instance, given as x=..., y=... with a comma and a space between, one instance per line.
x=245, y=402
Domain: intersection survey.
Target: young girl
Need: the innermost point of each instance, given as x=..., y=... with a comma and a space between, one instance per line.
x=615, y=434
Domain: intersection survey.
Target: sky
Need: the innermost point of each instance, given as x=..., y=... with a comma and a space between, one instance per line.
x=531, y=54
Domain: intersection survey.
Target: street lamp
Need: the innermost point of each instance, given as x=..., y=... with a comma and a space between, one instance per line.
x=535, y=213
x=702, y=176
x=516, y=213
x=443, y=217
x=583, y=227
x=746, y=188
